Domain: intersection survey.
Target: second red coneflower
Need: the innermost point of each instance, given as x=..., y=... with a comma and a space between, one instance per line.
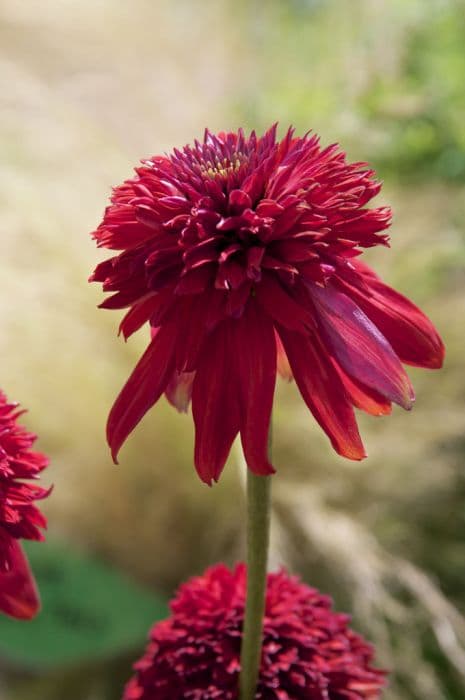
x=242, y=255
x=309, y=651
x=20, y=518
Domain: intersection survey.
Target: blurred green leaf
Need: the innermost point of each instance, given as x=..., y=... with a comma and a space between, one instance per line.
x=89, y=612
x=418, y=111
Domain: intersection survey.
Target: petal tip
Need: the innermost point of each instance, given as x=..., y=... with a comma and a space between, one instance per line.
x=437, y=360
x=408, y=399
x=205, y=476
x=26, y=611
x=266, y=470
x=352, y=448
x=355, y=455
x=113, y=445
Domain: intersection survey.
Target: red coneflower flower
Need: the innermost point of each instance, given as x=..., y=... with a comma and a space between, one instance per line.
x=308, y=650
x=241, y=253
x=19, y=517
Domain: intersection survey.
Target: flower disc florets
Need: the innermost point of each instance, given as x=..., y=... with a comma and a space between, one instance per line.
x=241, y=253
x=230, y=209
x=309, y=652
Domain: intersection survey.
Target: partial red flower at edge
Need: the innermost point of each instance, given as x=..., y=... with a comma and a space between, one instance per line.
x=19, y=516
x=242, y=254
x=309, y=651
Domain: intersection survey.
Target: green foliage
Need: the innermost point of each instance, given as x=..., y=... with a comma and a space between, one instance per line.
x=419, y=109
x=89, y=613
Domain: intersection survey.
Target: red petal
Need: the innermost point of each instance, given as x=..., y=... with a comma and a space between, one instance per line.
x=191, y=317
x=143, y=388
x=215, y=404
x=237, y=298
x=410, y=332
x=195, y=281
x=323, y=392
x=363, y=397
x=122, y=236
x=148, y=217
x=268, y=207
x=359, y=347
x=238, y=201
x=254, y=349
x=121, y=300
x=295, y=249
x=280, y=306
x=139, y=314
x=231, y=275
x=19, y=596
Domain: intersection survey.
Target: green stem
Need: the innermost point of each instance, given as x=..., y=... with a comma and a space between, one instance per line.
x=258, y=535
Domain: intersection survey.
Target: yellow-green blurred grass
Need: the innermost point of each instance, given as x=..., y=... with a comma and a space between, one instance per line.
x=81, y=108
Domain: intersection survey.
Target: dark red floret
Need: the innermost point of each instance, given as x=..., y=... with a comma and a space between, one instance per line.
x=309, y=651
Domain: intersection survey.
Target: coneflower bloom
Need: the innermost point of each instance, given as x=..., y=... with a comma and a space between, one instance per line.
x=19, y=516
x=308, y=652
x=242, y=254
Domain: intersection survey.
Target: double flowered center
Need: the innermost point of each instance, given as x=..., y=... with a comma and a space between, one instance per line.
x=232, y=226
x=235, y=241
x=221, y=167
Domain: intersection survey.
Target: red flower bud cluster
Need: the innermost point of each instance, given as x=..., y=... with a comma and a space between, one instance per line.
x=309, y=652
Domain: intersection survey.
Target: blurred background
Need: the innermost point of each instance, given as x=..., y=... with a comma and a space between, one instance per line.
x=87, y=89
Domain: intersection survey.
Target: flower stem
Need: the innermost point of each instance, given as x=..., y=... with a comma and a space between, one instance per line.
x=258, y=535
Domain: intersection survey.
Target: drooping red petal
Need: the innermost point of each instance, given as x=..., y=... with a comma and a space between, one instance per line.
x=411, y=333
x=254, y=350
x=363, y=397
x=215, y=404
x=323, y=392
x=280, y=306
x=143, y=388
x=120, y=300
x=122, y=236
x=19, y=596
x=139, y=314
x=359, y=347
x=191, y=318
x=195, y=280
